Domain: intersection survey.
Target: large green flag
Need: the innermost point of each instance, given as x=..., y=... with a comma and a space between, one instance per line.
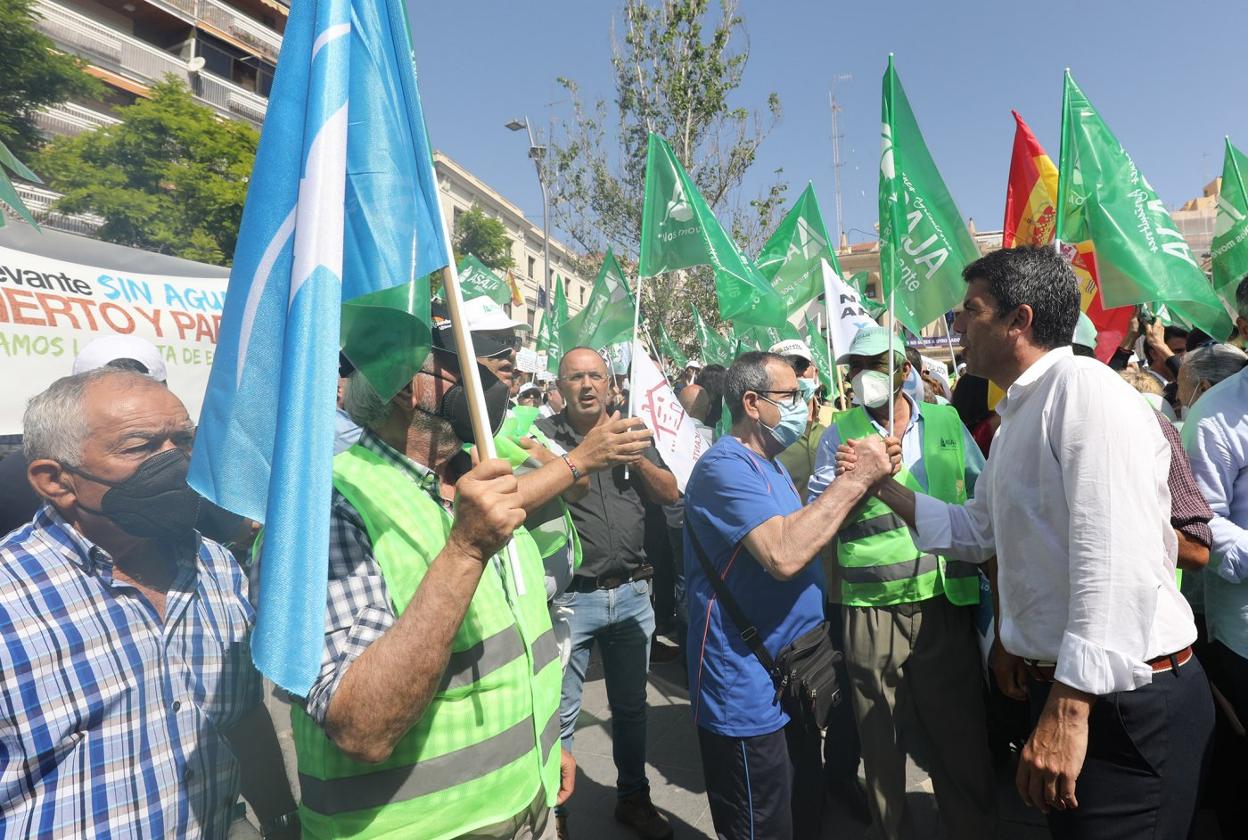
x=548, y=333
x=669, y=349
x=790, y=258
x=716, y=350
x=476, y=280
x=764, y=337
x=1230, y=229
x=1140, y=256
x=924, y=244
x=678, y=230
x=608, y=316
x=819, y=346
x=387, y=334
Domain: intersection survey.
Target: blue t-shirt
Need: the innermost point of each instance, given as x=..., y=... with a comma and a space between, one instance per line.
x=732, y=491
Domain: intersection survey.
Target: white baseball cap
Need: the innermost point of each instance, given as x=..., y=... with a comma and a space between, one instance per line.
x=792, y=347
x=527, y=387
x=693, y=363
x=110, y=348
x=484, y=315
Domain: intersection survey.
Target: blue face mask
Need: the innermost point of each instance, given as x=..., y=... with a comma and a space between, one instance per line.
x=792, y=422
x=808, y=388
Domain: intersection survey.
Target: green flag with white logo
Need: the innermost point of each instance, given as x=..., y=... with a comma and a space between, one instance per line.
x=548, y=333
x=1140, y=255
x=476, y=280
x=790, y=258
x=763, y=338
x=924, y=244
x=678, y=230
x=716, y=350
x=607, y=318
x=1230, y=228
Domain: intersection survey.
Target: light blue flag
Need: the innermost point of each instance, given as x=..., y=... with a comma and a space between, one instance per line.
x=342, y=203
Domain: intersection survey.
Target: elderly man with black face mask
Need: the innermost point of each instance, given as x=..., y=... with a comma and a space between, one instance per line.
x=434, y=713
x=131, y=706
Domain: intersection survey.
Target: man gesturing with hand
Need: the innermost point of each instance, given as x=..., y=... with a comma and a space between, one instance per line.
x=1074, y=502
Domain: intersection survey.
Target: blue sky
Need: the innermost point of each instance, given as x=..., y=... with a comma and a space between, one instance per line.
x=1169, y=79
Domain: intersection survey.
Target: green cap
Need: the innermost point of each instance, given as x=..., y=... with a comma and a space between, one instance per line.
x=1085, y=332
x=872, y=341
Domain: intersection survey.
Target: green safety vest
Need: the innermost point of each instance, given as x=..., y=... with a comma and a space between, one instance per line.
x=879, y=562
x=488, y=744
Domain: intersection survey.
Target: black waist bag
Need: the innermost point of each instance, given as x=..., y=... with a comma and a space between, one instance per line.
x=803, y=672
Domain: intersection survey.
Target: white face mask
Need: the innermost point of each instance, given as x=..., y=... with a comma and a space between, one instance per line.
x=871, y=388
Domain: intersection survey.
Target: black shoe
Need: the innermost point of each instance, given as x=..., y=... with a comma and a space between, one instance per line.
x=661, y=653
x=561, y=826
x=852, y=794
x=638, y=813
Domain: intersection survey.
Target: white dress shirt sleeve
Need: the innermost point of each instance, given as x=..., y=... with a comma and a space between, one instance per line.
x=1112, y=461
x=1215, y=468
x=960, y=532
x=824, y=472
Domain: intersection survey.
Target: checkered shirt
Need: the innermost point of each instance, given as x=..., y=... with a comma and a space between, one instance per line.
x=1189, y=512
x=358, y=608
x=112, y=723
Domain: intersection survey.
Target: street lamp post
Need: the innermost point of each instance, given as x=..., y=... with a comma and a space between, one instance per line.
x=538, y=155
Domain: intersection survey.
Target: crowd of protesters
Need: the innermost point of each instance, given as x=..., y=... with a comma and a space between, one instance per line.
x=1035, y=560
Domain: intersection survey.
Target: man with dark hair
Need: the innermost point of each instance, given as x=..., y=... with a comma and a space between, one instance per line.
x=1074, y=503
x=745, y=519
x=711, y=378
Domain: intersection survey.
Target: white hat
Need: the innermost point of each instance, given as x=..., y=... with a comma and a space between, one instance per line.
x=110, y=348
x=484, y=315
x=526, y=387
x=792, y=347
x=693, y=363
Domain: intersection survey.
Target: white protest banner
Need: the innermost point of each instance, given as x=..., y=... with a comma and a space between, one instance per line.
x=845, y=312
x=675, y=435
x=50, y=309
x=526, y=360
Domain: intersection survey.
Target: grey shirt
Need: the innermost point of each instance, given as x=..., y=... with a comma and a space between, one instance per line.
x=611, y=518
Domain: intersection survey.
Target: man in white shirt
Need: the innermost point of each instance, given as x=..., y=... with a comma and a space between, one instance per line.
x=1075, y=504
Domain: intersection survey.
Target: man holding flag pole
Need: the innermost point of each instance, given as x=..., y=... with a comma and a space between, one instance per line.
x=397, y=592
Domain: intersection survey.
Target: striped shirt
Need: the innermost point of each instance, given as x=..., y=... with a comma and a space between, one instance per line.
x=113, y=723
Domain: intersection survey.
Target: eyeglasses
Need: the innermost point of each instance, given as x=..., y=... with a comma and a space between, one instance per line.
x=788, y=398
x=580, y=376
x=490, y=347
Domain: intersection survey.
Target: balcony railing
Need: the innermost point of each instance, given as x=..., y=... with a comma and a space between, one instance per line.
x=231, y=99
x=69, y=118
x=107, y=47
x=238, y=25
x=39, y=199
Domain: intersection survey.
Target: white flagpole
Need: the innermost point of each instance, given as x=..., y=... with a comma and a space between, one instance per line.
x=953, y=360
x=632, y=391
x=471, y=378
x=892, y=337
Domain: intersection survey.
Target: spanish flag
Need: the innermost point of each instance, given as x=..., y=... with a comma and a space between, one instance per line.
x=1031, y=195
x=1030, y=213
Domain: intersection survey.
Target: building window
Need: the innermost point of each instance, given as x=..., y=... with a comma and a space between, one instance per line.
x=582, y=295
x=530, y=317
x=532, y=266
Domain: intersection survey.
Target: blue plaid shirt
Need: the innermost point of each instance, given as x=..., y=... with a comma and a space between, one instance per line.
x=112, y=723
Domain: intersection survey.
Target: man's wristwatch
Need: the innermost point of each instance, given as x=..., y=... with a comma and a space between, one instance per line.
x=281, y=826
x=577, y=475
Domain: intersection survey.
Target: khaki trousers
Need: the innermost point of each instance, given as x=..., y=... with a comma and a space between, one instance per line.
x=916, y=667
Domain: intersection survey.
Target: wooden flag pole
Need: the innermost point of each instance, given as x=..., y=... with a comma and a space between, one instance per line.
x=892, y=338
x=953, y=359
x=471, y=379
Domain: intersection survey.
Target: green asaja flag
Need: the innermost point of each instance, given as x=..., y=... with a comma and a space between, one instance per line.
x=1140, y=256
x=716, y=350
x=764, y=338
x=678, y=230
x=1230, y=229
x=607, y=318
x=791, y=257
x=548, y=333
x=819, y=347
x=669, y=349
x=476, y=280
x=924, y=244
x=561, y=303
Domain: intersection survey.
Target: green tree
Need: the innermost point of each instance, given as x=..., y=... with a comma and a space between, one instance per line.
x=35, y=75
x=676, y=68
x=484, y=237
x=171, y=177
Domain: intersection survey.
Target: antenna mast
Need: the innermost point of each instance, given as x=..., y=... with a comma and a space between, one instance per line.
x=837, y=161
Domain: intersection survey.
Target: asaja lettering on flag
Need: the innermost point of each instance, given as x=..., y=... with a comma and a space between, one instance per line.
x=476, y=280
x=675, y=436
x=924, y=244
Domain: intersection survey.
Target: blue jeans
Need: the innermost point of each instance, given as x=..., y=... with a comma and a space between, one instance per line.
x=621, y=620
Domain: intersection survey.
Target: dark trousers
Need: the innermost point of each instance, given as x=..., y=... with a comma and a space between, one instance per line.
x=841, y=748
x=766, y=787
x=1146, y=748
x=1228, y=772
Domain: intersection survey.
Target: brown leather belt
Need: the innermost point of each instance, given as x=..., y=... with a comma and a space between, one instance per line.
x=585, y=583
x=1043, y=671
